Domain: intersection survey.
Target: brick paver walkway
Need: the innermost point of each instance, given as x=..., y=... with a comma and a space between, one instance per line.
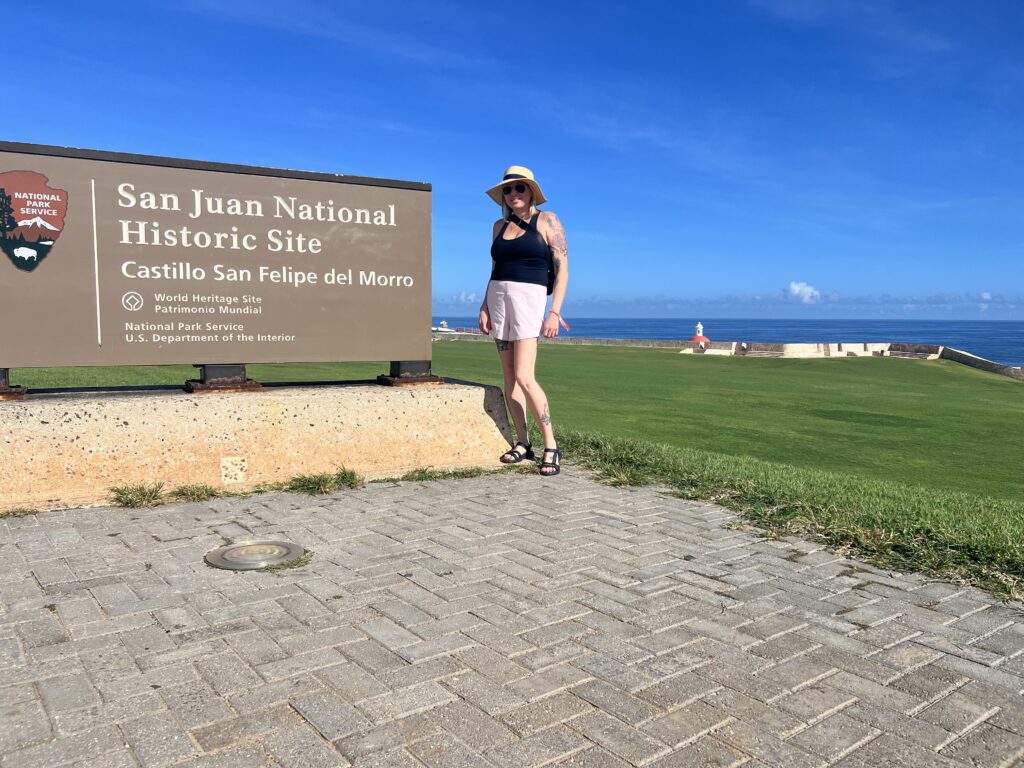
x=505, y=621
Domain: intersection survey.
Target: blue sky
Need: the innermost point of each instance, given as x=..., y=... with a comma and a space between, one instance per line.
x=729, y=158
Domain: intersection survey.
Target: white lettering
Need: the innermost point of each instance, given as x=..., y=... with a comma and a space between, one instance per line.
x=231, y=274
x=385, y=281
x=223, y=206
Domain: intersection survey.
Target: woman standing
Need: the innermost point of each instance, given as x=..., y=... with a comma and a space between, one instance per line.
x=527, y=243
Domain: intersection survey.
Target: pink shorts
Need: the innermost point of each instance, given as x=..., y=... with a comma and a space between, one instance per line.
x=516, y=309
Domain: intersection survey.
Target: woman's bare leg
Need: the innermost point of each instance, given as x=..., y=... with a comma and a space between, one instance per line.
x=513, y=393
x=524, y=359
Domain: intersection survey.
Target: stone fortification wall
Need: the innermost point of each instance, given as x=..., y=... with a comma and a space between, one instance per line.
x=761, y=349
x=957, y=356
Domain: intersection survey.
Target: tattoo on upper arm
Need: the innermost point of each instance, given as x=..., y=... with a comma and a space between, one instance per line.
x=556, y=236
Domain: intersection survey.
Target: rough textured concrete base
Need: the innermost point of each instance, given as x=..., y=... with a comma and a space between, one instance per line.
x=69, y=449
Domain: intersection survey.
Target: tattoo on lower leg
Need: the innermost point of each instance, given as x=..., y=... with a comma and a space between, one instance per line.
x=503, y=346
x=545, y=417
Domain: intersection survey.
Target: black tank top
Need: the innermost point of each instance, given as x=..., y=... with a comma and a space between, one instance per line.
x=524, y=259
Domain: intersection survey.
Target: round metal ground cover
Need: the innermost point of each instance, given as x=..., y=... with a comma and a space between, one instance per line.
x=252, y=555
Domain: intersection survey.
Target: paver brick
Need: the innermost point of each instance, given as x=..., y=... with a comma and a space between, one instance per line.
x=439, y=646
x=766, y=717
x=547, y=746
x=331, y=716
x=1004, y=679
x=669, y=640
x=278, y=692
x=929, y=682
x=395, y=759
x=987, y=747
x=196, y=704
x=545, y=713
x=873, y=693
x=489, y=696
x=551, y=655
x=405, y=701
x=765, y=747
x=615, y=701
x=87, y=747
x=816, y=702
x=256, y=647
x=956, y=713
x=403, y=613
x=687, y=724
x=392, y=736
x=67, y=692
x=679, y=690
x=157, y=740
x=762, y=687
x=444, y=751
x=437, y=668
x=594, y=757
x=229, y=733
x=471, y=725
x=301, y=747
x=24, y=722
x=548, y=681
x=902, y=726
x=835, y=736
x=227, y=673
x=631, y=744
x=494, y=665
x=707, y=752
x=297, y=665
x=892, y=751
x=389, y=634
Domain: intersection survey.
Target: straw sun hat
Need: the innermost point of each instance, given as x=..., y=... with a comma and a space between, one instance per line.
x=517, y=174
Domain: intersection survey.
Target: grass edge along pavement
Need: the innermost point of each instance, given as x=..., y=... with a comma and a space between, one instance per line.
x=153, y=495
x=960, y=537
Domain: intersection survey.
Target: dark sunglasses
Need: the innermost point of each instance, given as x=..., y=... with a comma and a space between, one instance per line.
x=520, y=188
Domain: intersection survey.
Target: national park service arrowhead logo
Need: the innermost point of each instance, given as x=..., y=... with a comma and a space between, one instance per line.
x=31, y=217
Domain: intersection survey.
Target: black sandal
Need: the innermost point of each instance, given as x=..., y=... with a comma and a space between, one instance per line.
x=513, y=456
x=555, y=464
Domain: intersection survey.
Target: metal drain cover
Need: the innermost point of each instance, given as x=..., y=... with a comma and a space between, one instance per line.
x=252, y=555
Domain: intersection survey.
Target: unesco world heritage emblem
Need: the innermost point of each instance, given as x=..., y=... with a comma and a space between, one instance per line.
x=31, y=217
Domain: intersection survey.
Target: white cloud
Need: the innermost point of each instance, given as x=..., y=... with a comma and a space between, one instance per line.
x=803, y=292
x=986, y=296
x=458, y=299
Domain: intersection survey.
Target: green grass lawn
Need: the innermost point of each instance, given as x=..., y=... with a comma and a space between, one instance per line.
x=933, y=423
x=910, y=464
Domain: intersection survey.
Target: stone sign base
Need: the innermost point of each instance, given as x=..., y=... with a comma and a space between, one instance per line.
x=69, y=449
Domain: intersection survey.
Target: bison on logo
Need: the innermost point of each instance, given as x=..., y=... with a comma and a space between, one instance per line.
x=31, y=217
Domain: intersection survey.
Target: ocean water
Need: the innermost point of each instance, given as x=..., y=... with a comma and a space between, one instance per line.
x=1002, y=342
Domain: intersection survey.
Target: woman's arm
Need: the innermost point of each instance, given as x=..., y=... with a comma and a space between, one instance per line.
x=485, y=315
x=555, y=236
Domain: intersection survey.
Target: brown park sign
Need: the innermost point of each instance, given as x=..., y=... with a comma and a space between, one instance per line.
x=113, y=259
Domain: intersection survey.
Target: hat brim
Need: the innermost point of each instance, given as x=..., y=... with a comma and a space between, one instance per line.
x=496, y=195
